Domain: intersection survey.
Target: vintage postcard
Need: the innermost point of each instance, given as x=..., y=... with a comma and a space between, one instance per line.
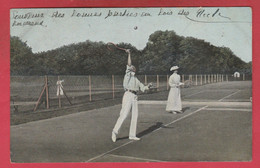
x=171, y=84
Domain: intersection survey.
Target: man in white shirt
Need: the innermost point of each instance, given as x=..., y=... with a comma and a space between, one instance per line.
x=131, y=86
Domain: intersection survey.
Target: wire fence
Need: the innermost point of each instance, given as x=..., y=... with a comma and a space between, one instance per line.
x=32, y=93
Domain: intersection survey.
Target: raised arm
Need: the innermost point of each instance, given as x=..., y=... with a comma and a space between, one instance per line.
x=129, y=62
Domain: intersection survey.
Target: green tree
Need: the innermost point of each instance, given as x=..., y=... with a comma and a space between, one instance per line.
x=21, y=57
x=160, y=53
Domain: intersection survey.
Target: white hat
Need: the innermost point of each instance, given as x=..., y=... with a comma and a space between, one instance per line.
x=174, y=68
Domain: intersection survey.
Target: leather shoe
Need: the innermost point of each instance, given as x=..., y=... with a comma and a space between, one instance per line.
x=113, y=136
x=134, y=138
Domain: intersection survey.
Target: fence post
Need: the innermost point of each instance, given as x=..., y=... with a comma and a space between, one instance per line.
x=145, y=79
x=205, y=78
x=183, y=80
x=158, y=83
x=59, y=94
x=113, y=86
x=243, y=76
x=167, y=82
x=89, y=88
x=196, y=79
x=47, y=91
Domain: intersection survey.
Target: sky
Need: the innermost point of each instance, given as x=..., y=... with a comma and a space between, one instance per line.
x=47, y=29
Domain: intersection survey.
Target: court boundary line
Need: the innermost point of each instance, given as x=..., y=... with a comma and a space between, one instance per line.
x=229, y=95
x=185, y=116
x=229, y=109
x=199, y=103
x=194, y=93
x=129, y=142
x=136, y=158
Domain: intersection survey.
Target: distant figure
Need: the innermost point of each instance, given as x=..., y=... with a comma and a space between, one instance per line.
x=131, y=85
x=237, y=75
x=174, y=98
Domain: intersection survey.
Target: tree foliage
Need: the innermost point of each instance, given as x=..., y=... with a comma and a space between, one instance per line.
x=22, y=59
x=163, y=50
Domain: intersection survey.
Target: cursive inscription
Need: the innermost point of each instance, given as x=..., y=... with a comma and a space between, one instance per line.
x=75, y=13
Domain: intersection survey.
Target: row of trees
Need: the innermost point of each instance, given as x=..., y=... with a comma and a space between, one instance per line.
x=163, y=50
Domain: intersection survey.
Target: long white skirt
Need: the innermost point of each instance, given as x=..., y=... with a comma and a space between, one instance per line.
x=174, y=100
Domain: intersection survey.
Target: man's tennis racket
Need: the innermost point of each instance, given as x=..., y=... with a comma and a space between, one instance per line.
x=111, y=46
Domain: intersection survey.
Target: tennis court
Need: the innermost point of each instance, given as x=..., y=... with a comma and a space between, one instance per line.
x=216, y=126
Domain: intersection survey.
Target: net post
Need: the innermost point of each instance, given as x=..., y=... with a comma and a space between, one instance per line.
x=145, y=79
x=89, y=88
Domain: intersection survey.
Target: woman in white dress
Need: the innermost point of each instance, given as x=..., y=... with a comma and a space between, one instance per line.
x=174, y=98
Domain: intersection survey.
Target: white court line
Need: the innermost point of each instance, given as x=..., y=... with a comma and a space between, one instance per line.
x=194, y=93
x=174, y=121
x=229, y=95
x=94, y=158
x=131, y=157
x=229, y=109
x=202, y=103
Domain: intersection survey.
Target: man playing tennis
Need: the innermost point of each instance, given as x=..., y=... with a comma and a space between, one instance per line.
x=129, y=103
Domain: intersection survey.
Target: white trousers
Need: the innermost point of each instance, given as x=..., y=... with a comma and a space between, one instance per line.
x=129, y=103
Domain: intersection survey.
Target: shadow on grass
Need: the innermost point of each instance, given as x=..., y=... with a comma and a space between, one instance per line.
x=147, y=131
x=185, y=109
x=152, y=128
